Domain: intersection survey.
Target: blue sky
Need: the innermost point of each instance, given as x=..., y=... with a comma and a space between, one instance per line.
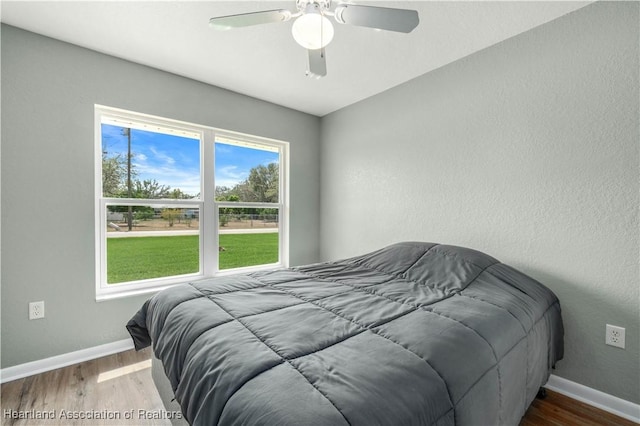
x=233, y=163
x=175, y=161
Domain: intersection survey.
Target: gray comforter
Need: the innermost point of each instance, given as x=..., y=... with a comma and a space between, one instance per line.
x=412, y=334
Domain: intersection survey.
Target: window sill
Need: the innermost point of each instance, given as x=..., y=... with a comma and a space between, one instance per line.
x=103, y=297
x=134, y=292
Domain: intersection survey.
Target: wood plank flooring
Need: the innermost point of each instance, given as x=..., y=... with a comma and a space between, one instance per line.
x=119, y=389
x=80, y=390
x=560, y=410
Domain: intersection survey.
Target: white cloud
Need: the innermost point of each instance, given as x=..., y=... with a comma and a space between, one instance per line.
x=161, y=156
x=230, y=176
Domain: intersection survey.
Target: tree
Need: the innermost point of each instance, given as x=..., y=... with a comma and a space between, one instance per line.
x=170, y=215
x=151, y=189
x=225, y=212
x=263, y=183
x=221, y=192
x=142, y=213
x=177, y=194
x=260, y=186
x=114, y=172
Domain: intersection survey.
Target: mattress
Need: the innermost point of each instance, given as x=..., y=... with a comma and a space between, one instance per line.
x=412, y=334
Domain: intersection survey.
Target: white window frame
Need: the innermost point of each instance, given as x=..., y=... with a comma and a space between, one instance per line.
x=207, y=205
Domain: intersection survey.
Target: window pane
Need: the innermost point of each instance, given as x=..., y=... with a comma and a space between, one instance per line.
x=162, y=242
x=247, y=237
x=147, y=164
x=247, y=172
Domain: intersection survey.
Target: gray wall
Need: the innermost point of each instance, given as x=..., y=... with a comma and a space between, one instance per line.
x=527, y=150
x=49, y=89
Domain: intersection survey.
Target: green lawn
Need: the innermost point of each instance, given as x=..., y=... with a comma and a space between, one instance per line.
x=137, y=258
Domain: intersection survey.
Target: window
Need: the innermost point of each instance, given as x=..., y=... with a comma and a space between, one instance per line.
x=178, y=202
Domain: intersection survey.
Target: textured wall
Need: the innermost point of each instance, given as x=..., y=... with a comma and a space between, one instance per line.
x=527, y=150
x=49, y=89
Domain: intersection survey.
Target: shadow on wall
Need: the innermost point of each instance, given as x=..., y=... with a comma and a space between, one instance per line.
x=587, y=359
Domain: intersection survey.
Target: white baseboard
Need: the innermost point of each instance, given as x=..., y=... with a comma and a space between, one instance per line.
x=601, y=400
x=36, y=367
x=604, y=401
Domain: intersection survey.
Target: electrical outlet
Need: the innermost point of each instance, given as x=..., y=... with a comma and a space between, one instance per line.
x=615, y=336
x=36, y=310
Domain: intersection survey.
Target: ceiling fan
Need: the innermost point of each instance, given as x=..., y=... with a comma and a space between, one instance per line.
x=313, y=30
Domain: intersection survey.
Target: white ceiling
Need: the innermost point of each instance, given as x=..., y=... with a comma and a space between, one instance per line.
x=264, y=61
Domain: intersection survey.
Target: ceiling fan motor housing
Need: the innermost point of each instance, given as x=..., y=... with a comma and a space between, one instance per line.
x=321, y=5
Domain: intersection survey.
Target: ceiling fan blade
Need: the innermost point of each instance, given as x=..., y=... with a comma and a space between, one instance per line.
x=382, y=18
x=317, y=63
x=248, y=19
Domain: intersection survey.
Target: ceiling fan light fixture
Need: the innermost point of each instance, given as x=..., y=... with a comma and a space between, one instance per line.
x=312, y=30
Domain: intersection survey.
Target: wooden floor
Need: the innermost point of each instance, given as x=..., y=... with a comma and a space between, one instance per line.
x=103, y=387
x=118, y=390
x=558, y=410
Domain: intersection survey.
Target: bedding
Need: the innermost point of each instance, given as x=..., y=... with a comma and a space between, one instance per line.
x=411, y=334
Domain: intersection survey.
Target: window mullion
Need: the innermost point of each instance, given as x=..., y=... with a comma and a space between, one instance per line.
x=209, y=230
x=159, y=202
x=249, y=205
x=283, y=224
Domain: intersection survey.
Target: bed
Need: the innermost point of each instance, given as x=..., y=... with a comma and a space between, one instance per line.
x=412, y=334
